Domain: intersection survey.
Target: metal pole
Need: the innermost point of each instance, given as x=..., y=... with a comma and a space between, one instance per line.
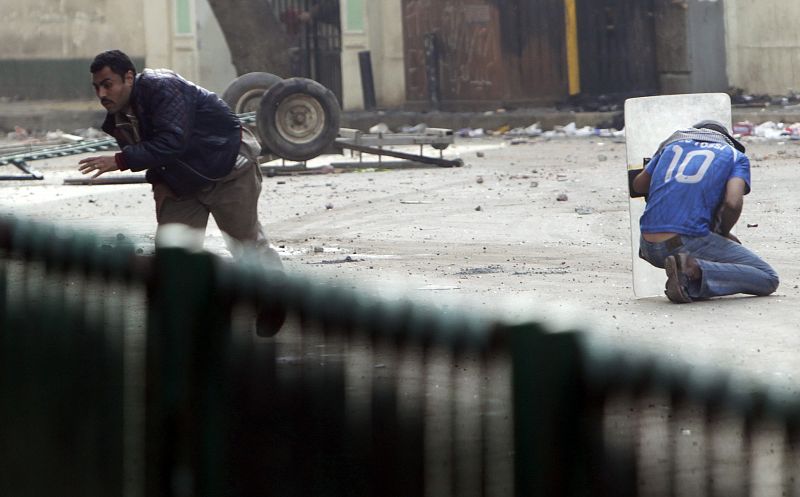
x=432, y=69
x=367, y=81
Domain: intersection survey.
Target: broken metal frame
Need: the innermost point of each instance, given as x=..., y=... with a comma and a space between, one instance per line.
x=374, y=143
x=20, y=159
x=350, y=139
x=29, y=173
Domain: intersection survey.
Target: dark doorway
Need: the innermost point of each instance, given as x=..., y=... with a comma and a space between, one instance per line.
x=617, y=43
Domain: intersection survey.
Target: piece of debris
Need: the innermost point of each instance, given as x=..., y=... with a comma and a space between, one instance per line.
x=491, y=269
x=479, y=180
x=328, y=206
x=543, y=271
x=478, y=208
x=438, y=287
x=770, y=130
x=532, y=130
x=480, y=154
x=743, y=128
x=19, y=133
x=379, y=129
x=602, y=158
x=584, y=211
x=339, y=261
x=419, y=128
x=562, y=197
x=752, y=225
x=476, y=133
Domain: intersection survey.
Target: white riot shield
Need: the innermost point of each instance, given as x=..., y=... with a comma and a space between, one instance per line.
x=648, y=122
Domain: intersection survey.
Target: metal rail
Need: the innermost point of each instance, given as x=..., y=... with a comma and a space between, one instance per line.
x=374, y=143
x=369, y=143
x=20, y=159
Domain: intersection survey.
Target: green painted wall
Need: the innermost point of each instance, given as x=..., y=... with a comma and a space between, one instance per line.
x=183, y=17
x=354, y=18
x=48, y=79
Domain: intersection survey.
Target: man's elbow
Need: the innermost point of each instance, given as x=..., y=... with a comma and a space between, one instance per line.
x=641, y=184
x=734, y=204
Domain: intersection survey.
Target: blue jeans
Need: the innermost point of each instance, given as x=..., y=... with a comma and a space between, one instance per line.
x=727, y=267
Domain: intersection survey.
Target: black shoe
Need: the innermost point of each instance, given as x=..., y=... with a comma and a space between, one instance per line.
x=269, y=320
x=677, y=282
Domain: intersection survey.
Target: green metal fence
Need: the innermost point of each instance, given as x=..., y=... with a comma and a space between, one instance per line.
x=142, y=376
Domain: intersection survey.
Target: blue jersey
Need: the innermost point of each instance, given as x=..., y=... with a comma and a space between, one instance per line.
x=687, y=185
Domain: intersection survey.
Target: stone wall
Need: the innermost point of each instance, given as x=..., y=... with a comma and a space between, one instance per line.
x=46, y=46
x=763, y=44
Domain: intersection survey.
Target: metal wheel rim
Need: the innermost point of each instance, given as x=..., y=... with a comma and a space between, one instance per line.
x=300, y=118
x=249, y=101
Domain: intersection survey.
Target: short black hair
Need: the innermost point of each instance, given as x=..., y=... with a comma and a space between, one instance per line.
x=116, y=60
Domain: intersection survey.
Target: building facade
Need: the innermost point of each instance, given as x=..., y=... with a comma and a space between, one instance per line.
x=455, y=54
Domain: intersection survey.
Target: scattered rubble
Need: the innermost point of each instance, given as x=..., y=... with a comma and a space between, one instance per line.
x=769, y=130
x=490, y=269
x=741, y=99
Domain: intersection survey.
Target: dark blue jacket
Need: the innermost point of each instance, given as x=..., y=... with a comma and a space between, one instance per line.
x=189, y=137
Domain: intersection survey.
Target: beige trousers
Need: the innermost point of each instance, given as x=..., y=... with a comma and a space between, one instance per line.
x=233, y=201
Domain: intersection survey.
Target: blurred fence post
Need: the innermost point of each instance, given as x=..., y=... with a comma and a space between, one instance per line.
x=187, y=343
x=552, y=441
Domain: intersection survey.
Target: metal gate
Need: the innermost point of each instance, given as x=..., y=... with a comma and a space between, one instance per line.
x=617, y=41
x=316, y=46
x=123, y=374
x=494, y=52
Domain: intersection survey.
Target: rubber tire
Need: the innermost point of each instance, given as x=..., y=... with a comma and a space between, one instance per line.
x=244, y=93
x=308, y=95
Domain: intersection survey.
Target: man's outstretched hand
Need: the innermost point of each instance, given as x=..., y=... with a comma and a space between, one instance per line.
x=98, y=165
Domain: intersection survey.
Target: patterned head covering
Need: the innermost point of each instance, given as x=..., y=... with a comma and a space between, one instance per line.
x=720, y=128
x=704, y=131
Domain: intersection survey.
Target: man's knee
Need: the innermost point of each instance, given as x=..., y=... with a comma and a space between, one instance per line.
x=773, y=281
